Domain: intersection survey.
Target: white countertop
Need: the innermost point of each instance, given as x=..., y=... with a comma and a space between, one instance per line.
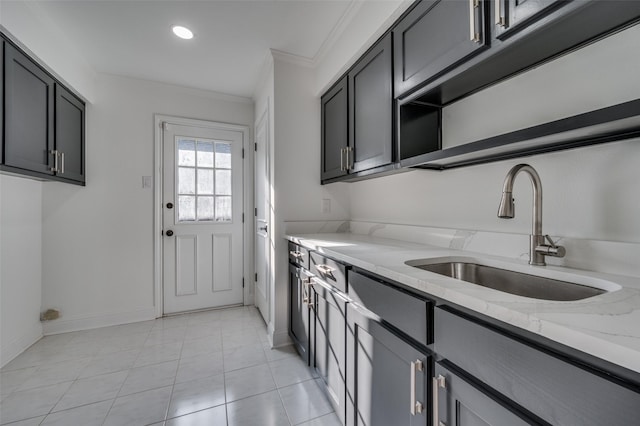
x=606, y=326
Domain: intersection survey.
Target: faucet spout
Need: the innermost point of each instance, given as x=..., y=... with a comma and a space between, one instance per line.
x=537, y=248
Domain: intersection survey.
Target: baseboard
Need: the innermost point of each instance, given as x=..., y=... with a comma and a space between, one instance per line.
x=87, y=322
x=278, y=338
x=19, y=344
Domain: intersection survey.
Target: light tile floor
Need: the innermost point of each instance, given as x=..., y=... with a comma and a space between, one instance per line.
x=208, y=368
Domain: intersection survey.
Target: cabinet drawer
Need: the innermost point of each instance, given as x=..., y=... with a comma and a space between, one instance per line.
x=329, y=271
x=557, y=391
x=408, y=313
x=298, y=255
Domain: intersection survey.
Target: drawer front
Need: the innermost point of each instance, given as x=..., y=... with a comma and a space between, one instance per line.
x=298, y=255
x=555, y=390
x=410, y=314
x=330, y=271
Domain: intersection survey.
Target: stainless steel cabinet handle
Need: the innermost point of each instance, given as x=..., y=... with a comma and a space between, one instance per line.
x=55, y=160
x=346, y=150
x=473, y=34
x=416, y=406
x=342, y=168
x=499, y=19
x=62, y=163
x=324, y=269
x=438, y=382
x=295, y=254
x=349, y=160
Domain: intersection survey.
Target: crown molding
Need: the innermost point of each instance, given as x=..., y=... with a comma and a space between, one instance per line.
x=292, y=58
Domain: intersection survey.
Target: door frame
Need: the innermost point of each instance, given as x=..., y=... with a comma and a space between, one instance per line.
x=265, y=116
x=247, y=203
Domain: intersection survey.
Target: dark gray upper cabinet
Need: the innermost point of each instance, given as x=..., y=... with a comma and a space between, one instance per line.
x=69, y=135
x=386, y=376
x=371, y=109
x=42, y=123
x=334, y=131
x=457, y=402
x=28, y=114
x=435, y=36
x=514, y=15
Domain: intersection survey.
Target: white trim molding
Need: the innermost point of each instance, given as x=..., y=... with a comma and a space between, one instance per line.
x=103, y=319
x=19, y=344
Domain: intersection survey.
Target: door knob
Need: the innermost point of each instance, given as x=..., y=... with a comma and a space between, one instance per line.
x=169, y=233
x=169, y=205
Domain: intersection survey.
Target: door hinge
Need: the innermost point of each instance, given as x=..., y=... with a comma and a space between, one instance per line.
x=256, y=277
x=255, y=146
x=242, y=217
x=164, y=125
x=242, y=152
x=242, y=282
x=255, y=212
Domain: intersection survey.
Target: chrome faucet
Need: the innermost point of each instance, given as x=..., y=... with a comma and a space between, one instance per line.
x=537, y=247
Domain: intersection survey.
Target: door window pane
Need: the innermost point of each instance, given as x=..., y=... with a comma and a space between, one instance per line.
x=203, y=186
x=186, y=152
x=186, y=180
x=223, y=155
x=205, y=208
x=223, y=182
x=223, y=209
x=186, y=208
x=205, y=154
x=205, y=181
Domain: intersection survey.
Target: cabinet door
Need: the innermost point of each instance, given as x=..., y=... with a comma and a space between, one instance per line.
x=28, y=124
x=329, y=349
x=299, y=311
x=512, y=16
x=371, y=109
x=435, y=36
x=386, y=376
x=69, y=140
x=334, y=131
x=456, y=402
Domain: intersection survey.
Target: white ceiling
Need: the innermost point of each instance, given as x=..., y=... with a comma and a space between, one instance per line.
x=232, y=37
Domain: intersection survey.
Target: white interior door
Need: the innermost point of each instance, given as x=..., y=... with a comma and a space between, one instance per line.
x=262, y=214
x=202, y=218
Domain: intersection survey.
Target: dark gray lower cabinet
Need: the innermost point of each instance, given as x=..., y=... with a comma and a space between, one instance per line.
x=299, y=310
x=329, y=348
x=387, y=378
x=558, y=390
x=458, y=403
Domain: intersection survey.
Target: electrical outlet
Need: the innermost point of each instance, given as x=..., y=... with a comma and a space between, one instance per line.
x=326, y=206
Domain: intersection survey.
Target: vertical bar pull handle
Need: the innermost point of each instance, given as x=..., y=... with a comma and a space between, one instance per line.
x=499, y=19
x=438, y=382
x=62, y=163
x=342, y=169
x=416, y=406
x=473, y=34
x=55, y=160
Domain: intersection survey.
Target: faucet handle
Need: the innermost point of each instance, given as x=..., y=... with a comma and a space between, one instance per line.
x=552, y=249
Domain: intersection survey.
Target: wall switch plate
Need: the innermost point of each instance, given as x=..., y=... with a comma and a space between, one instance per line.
x=326, y=205
x=147, y=182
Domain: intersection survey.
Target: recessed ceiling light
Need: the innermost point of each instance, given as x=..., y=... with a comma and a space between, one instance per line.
x=182, y=32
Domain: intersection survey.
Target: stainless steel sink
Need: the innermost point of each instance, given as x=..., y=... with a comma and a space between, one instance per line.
x=512, y=282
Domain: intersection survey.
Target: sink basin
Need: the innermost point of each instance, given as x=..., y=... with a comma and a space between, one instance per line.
x=517, y=283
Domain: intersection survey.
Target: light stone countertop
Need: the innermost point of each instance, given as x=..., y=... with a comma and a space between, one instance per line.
x=606, y=326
